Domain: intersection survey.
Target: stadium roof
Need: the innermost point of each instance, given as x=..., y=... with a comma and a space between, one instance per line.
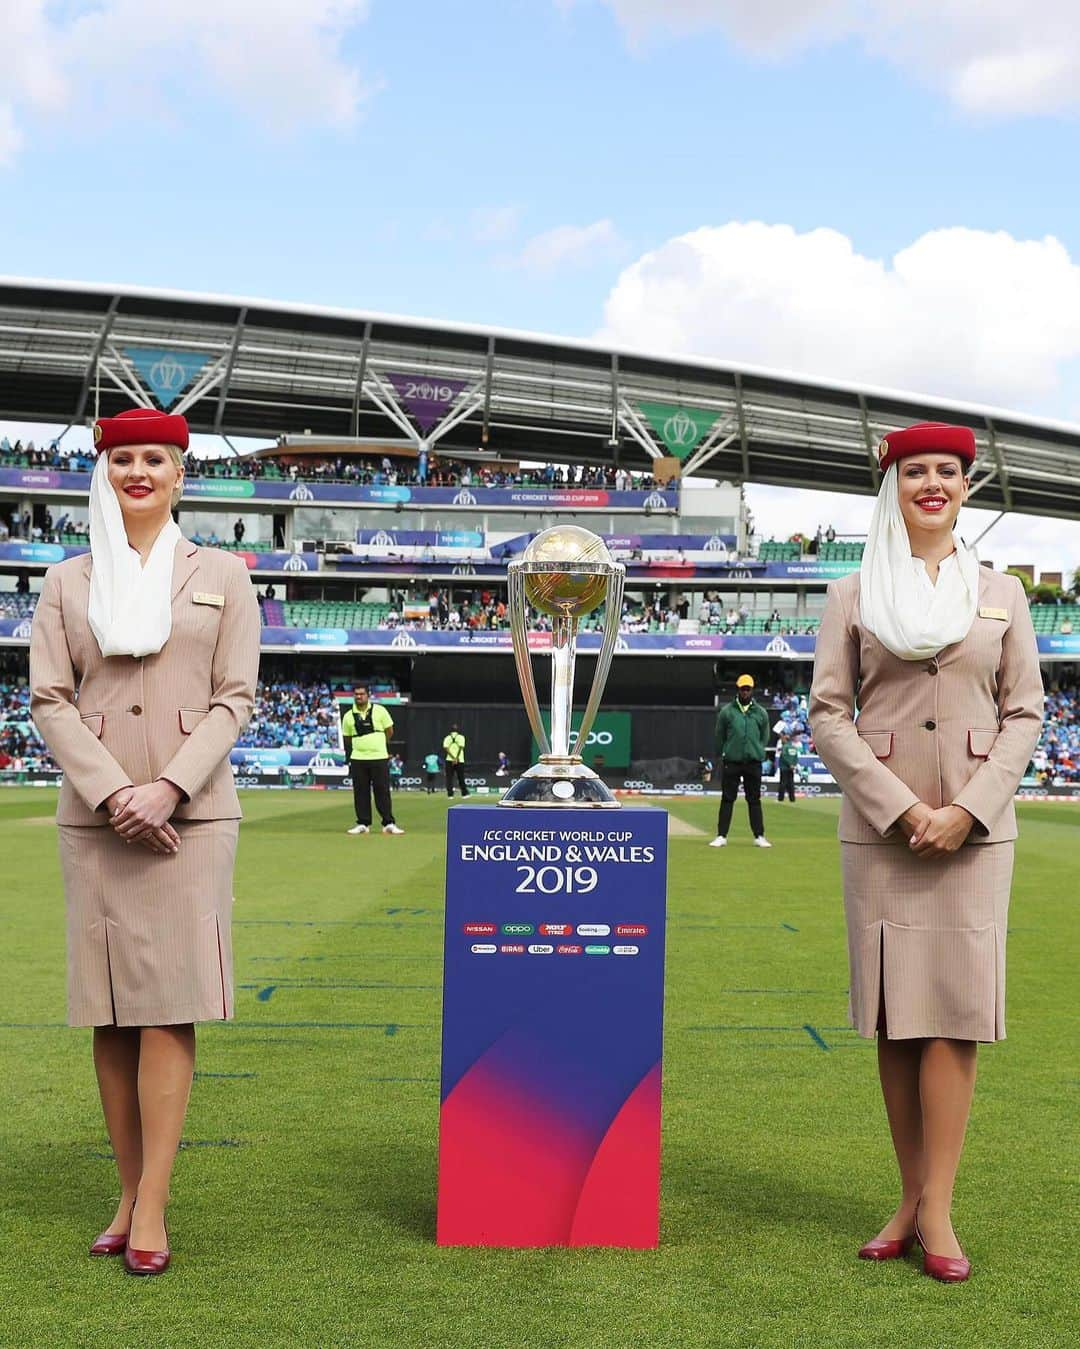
x=249, y=367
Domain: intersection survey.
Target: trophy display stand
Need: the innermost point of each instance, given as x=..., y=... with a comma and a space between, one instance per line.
x=553, y=992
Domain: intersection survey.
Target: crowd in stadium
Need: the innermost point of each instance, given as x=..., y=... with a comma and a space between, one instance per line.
x=304, y=715
x=362, y=470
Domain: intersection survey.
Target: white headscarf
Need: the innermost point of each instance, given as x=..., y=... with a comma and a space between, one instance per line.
x=130, y=610
x=898, y=602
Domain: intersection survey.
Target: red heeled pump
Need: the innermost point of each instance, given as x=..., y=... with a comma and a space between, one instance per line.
x=109, y=1243
x=886, y=1248
x=148, y=1262
x=945, y=1268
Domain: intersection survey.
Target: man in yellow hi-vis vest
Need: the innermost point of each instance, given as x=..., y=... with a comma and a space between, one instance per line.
x=365, y=729
x=454, y=758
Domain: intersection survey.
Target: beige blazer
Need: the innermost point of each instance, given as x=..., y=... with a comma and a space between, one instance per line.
x=960, y=728
x=175, y=714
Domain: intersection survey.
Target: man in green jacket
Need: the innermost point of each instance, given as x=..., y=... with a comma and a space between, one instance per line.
x=742, y=731
x=787, y=761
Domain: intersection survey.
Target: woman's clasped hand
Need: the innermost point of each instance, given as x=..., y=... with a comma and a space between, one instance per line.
x=936, y=833
x=142, y=814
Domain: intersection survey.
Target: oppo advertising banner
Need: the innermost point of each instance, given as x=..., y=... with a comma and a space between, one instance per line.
x=553, y=1001
x=608, y=745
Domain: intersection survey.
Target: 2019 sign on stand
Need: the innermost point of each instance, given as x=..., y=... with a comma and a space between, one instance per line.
x=552, y=1027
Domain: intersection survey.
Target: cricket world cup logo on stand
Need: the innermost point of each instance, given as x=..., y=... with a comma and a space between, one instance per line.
x=566, y=572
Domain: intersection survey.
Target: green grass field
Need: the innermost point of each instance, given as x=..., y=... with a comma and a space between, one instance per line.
x=304, y=1200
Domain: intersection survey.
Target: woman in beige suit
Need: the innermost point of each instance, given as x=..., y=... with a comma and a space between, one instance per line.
x=940, y=656
x=143, y=661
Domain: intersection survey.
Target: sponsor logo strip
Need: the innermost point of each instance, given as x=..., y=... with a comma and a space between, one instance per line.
x=592, y=930
x=541, y=950
x=631, y=930
x=480, y=929
x=517, y=929
x=512, y=949
x=598, y=950
x=556, y=929
x=569, y=950
x=626, y=950
x=481, y=949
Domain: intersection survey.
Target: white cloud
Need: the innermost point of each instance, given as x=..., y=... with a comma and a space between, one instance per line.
x=495, y=224
x=279, y=64
x=570, y=245
x=992, y=57
x=961, y=313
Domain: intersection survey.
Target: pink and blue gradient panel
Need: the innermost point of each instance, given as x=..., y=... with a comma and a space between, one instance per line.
x=551, y=1070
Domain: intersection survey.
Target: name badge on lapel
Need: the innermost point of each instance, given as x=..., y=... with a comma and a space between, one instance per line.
x=986, y=612
x=218, y=601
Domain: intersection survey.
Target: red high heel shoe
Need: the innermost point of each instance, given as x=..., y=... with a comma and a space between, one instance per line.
x=886, y=1248
x=109, y=1243
x=148, y=1262
x=945, y=1268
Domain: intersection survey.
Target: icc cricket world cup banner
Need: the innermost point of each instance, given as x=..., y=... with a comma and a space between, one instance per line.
x=552, y=1027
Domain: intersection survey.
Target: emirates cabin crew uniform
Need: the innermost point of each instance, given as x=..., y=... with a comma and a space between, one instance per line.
x=148, y=934
x=939, y=721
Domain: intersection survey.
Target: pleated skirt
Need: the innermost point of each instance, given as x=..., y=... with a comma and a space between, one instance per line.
x=926, y=940
x=149, y=936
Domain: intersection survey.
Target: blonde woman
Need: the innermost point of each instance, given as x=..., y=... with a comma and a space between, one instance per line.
x=143, y=661
x=939, y=655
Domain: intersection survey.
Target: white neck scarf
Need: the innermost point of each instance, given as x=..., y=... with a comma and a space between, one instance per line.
x=897, y=601
x=130, y=610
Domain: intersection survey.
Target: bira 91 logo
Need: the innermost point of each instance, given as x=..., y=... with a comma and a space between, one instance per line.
x=517, y=929
x=569, y=950
x=556, y=929
x=512, y=949
x=480, y=929
x=631, y=930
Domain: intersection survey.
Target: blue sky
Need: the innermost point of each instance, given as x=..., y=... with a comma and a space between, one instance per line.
x=514, y=164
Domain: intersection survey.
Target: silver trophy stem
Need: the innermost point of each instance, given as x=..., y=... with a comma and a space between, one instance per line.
x=519, y=622
x=612, y=619
x=563, y=641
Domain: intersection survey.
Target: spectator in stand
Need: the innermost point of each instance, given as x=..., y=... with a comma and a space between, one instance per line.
x=830, y=535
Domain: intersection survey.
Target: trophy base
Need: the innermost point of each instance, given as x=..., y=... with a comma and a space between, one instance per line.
x=560, y=782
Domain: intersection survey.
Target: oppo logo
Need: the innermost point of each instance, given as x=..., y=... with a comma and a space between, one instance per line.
x=594, y=738
x=472, y=782
x=409, y=782
x=632, y=785
x=517, y=929
x=688, y=787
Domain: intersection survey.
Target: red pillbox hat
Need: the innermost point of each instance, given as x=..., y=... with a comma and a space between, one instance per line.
x=927, y=438
x=141, y=426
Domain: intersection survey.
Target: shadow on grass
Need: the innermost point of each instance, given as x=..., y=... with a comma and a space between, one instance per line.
x=703, y=1196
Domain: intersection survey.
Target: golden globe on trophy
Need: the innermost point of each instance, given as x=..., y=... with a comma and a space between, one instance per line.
x=566, y=572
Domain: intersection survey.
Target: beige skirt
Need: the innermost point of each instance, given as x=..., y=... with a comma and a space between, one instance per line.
x=926, y=940
x=149, y=938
